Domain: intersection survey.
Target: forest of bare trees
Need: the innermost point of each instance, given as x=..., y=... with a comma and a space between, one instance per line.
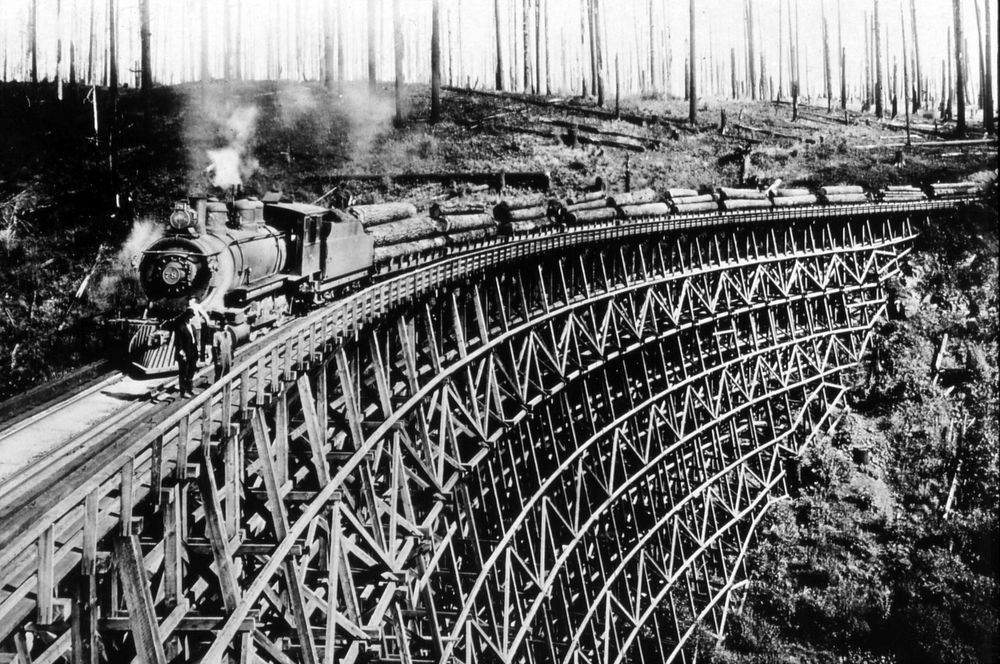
x=587, y=47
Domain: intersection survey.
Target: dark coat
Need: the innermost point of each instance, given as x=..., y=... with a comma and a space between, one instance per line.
x=185, y=343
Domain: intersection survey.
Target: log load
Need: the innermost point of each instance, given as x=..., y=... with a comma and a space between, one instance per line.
x=460, y=223
x=691, y=200
x=845, y=199
x=637, y=197
x=440, y=210
x=681, y=193
x=841, y=190
x=691, y=208
x=384, y=254
x=586, y=197
x=585, y=205
x=382, y=213
x=795, y=201
x=902, y=194
x=474, y=235
x=522, y=227
x=521, y=208
x=790, y=193
x=590, y=216
x=727, y=193
x=404, y=230
x=955, y=189
x=657, y=209
x=746, y=204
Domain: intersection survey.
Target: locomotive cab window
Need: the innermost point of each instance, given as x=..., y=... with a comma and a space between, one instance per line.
x=311, y=230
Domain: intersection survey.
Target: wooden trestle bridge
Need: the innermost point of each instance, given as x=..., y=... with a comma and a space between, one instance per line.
x=549, y=449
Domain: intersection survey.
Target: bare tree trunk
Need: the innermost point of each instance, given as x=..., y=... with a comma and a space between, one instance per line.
x=147, y=68
x=879, y=110
x=781, y=48
x=916, y=54
x=692, y=85
x=498, y=83
x=59, y=89
x=583, y=46
x=435, y=61
x=982, y=62
x=238, y=46
x=93, y=40
x=113, y=85
x=652, y=50
x=548, y=51
x=906, y=73
x=372, y=6
x=988, y=120
x=751, y=50
x=841, y=58
x=732, y=66
x=204, y=46
x=397, y=29
x=600, y=55
x=328, y=45
x=959, y=66
x=950, y=88
x=33, y=38
x=793, y=60
x=227, y=22
x=826, y=63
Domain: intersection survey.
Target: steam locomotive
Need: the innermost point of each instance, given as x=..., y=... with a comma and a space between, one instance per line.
x=247, y=262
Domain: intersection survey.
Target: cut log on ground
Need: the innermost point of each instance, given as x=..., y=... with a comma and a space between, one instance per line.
x=382, y=213
x=460, y=223
x=637, y=197
x=645, y=210
x=611, y=143
x=405, y=230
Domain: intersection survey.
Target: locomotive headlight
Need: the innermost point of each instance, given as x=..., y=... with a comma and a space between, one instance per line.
x=182, y=217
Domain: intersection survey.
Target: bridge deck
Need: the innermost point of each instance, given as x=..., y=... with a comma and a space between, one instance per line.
x=65, y=488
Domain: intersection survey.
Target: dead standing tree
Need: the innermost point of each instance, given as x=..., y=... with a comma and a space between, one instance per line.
x=328, y=45
x=692, y=86
x=397, y=41
x=147, y=69
x=988, y=119
x=435, y=61
x=959, y=67
x=372, y=6
x=498, y=83
x=879, y=110
x=918, y=96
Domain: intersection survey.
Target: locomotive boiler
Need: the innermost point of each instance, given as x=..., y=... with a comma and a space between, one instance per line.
x=249, y=263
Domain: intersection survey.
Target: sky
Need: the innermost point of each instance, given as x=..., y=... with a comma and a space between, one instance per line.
x=287, y=26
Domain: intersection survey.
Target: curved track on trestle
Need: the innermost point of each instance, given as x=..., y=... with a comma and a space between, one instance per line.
x=551, y=448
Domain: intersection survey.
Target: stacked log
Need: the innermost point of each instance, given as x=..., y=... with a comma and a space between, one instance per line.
x=902, y=194
x=784, y=198
x=445, y=209
x=637, y=197
x=523, y=214
x=743, y=199
x=689, y=201
x=952, y=190
x=843, y=195
x=465, y=228
x=382, y=213
x=654, y=209
x=387, y=253
x=413, y=229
